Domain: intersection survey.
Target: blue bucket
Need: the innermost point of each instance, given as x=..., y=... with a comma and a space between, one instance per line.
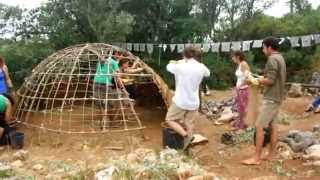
x=17, y=140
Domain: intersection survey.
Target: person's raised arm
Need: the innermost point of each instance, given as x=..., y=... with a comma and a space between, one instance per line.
x=7, y=76
x=172, y=67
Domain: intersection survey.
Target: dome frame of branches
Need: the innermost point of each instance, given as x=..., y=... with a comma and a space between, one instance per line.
x=60, y=95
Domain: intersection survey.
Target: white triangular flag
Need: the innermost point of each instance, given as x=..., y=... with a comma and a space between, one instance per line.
x=129, y=46
x=316, y=38
x=197, y=45
x=164, y=47
x=215, y=47
x=294, y=41
x=180, y=48
x=172, y=47
x=246, y=45
x=236, y=46
x=306, y=41
x=206, y=47
x=225, y=46
x=123, y=45
x=136, y=47
x=150, y=48
x=257, y=44
x=142, y=47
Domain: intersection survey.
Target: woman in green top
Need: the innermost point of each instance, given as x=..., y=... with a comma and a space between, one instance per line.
x=106, y=75
x=6, y=106
x=103, y=79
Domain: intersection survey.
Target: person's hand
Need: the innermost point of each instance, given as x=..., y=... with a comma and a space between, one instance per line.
x=260, y=79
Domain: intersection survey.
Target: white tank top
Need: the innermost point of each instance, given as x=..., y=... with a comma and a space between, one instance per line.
x=241, y=77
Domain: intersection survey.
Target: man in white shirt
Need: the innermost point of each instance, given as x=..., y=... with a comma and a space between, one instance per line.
x=188, y=74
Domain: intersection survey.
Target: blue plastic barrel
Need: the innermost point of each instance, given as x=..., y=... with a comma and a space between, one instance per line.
x=17, y=140
x=171, y=139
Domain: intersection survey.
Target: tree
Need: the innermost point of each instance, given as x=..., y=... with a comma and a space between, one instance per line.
x=237, y=12
x=163, y=21
x=9, y=16
x=299, y=6
x=67, y=22
x=209, y=12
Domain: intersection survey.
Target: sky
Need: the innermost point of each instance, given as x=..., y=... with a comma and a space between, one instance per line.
x=279, y=8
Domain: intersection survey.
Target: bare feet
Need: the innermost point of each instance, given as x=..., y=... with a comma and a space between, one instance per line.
x=251, y=161
x=268, y=157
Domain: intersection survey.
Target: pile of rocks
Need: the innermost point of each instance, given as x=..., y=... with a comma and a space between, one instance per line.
x=306, y=143
x=214, y=109
x=148, y=164
x=315, y=80
x=299, y=141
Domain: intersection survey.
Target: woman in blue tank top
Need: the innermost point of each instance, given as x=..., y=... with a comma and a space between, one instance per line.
x=5, y=81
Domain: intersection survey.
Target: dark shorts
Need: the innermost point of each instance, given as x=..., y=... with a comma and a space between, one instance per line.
x=4, y=139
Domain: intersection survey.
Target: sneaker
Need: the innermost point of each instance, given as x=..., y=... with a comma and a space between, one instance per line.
x=187, y=142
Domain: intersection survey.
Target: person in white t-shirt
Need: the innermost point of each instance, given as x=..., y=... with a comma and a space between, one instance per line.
x=188, y=74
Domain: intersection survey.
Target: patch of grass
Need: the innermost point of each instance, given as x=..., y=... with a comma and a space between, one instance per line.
x=81, y=175
x=123, y=171
x=245, y=137
x=277, y=168
x=11, y=173
x=6, y=174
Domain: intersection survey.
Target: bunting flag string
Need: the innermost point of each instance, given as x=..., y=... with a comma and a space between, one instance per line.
x=216, y=47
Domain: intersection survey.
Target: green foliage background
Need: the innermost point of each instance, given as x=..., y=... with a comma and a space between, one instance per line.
x=35, y=34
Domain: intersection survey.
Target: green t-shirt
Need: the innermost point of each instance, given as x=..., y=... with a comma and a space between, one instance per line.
x=3, y=104
x=104, y=71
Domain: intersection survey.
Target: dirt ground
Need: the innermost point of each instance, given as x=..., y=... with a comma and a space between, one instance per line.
x=91, y=150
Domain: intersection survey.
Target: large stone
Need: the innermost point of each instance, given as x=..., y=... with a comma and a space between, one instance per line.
x=17, y=164
x=315, y=80
x=299, y=141
x=21, y=155
x=37, y=167
x=295, y=90
x=313, y=153
x=4, y=167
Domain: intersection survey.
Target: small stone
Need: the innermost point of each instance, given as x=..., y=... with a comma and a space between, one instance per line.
x=310, y=173
x=146, y=138
x=21, y=155
x=59, y=171
x=265, y=178
x=37, y=167
x=17, y=164
x=51, y=177
x=4, y=167
x=295, y=90
x=132, y=158
x=85, y=147
x=286, y=155
x=316, y=128
x=99, y=166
